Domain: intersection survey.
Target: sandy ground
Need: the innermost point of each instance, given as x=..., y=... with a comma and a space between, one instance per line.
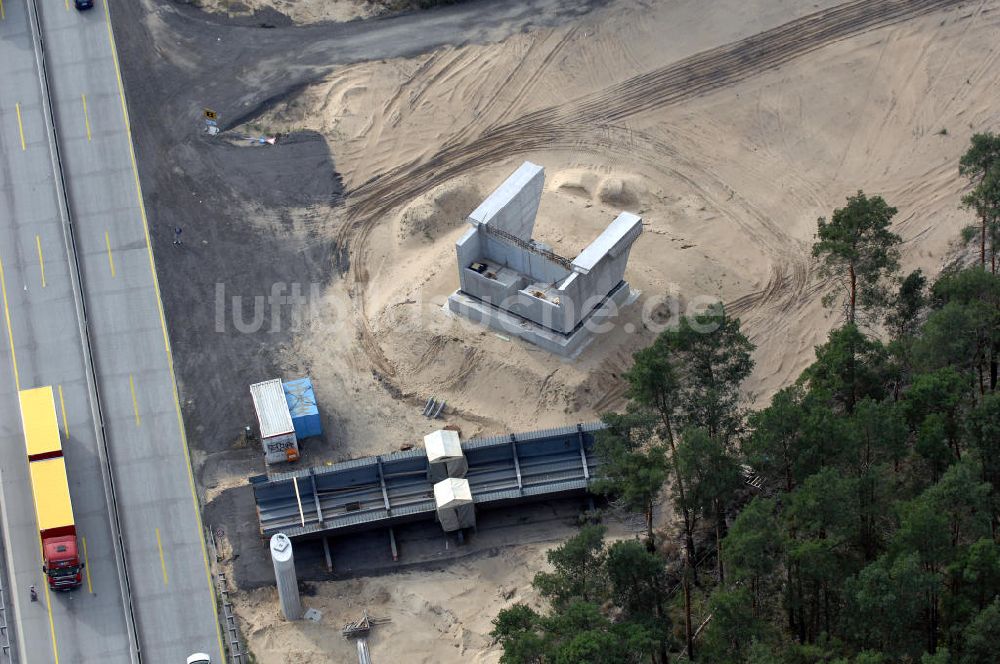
x=436, y=616
x=435, y=612
x=729, y=153
x=299, y=11
x=730, y=185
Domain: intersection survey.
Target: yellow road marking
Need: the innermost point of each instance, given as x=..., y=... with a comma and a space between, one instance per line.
x=41, y=261
x=166, y=338
x=86, y=566
x=10, y=330
x=52, y=622
x=86, y=116
x=67, y=5
x=20, y=126
x=48, y=606
x=163, y=562
x=2, y=15
x=111, y=260
x=62, y=405
x=135, y=402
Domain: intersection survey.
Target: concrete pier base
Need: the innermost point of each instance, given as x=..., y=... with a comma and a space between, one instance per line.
x=284, y=574
x=566, y=345
x=519, y=286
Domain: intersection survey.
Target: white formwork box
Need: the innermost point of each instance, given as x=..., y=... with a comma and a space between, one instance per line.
x=455, y=507
x=277, y=432
x=445, y=457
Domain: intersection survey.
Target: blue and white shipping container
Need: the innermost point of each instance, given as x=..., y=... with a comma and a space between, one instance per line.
x=302, y=405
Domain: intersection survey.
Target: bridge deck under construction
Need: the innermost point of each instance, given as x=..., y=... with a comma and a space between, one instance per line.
x=382, y=491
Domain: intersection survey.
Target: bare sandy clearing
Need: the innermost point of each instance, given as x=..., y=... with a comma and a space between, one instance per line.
x=730, y=185
x=729, y=182
x=299, y=11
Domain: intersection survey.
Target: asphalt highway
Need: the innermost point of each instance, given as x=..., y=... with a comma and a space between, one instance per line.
x=168, y=576
x=41, y=319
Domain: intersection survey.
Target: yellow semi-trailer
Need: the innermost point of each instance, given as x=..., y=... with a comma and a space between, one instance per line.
x=50, y=489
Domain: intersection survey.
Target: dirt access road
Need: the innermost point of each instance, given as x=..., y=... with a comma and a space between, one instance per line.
x=204, y=59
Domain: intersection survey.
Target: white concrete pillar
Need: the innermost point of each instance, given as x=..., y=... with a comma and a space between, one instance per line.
x=284, y=574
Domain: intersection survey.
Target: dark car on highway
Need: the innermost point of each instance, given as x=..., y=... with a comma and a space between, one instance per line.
x=83, y=4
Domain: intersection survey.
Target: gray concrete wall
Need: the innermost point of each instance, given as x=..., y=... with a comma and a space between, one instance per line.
x=514, y=204
x=468, y=249
x=613, y=240
x=512, y=207
x=586, y=291
x=545, y=313
x=567, y=345
x=572, y=292
x=578, y=293
x=601, y=266
x=490, y=290
x=537, y=267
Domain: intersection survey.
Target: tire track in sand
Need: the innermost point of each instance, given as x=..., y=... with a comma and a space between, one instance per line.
x=567, y=125
x=693, y=76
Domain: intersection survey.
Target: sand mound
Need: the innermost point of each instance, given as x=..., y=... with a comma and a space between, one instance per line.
x=439, y=211
x=575, y=182
x=618, y=192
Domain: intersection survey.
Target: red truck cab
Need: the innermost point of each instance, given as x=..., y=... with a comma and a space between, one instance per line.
x=61, y=561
